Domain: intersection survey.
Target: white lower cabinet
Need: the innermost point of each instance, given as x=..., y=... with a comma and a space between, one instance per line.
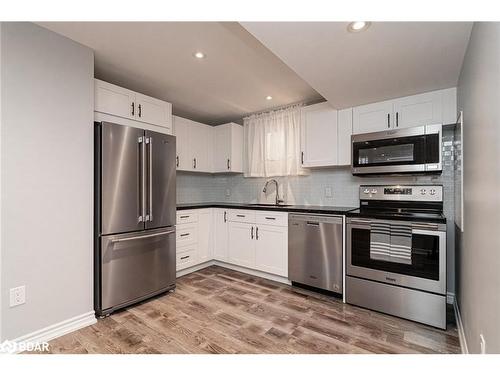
x=256, y=240
x=271, y=249
x=241, y=244
x=220, y=234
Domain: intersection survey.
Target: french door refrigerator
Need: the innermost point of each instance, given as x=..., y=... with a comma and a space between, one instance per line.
x=135, y=203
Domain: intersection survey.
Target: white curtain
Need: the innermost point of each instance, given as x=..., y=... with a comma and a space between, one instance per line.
x=272, y=143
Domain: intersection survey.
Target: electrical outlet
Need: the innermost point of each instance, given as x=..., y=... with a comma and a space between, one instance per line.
x=328, y=192
x=228, y=192
x=17, y=296
x=482, y=341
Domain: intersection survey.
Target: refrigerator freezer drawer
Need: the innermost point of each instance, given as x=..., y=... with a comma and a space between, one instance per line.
x=135, y=266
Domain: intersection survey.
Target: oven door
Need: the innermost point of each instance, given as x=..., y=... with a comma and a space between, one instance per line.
x=427, y=270
x=397, y=151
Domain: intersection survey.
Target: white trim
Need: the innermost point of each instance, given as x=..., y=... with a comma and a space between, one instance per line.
x=450, y=298
x=249, y=271
x=460, y=329
x=59, y=329
x=194, y=268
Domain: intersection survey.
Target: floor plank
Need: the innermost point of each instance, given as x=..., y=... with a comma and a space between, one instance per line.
x=217, y=310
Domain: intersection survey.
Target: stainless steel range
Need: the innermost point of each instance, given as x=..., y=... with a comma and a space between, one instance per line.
x=396, y=252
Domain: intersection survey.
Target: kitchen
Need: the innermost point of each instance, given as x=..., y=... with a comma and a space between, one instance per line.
x=313, y=214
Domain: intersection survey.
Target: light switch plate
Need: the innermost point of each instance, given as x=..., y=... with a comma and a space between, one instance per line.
x=17, y=296
x=228, y=192
x=328, y=192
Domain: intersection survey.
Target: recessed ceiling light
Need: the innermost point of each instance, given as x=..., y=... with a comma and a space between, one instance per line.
x=269, y=97
x=199, y=55
x=358, y=26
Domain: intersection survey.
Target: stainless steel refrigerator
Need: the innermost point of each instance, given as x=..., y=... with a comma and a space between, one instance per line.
x=135, y=205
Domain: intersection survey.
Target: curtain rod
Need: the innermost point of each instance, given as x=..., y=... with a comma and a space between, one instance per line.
x=281, y=107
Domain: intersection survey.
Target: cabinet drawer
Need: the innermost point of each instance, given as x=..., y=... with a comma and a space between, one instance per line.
x=272, y=218
x=185, y=258
x=184, y=217
x=241, y=216
x=186, y=234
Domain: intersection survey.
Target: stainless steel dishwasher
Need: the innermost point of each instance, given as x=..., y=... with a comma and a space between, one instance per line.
x=315, y=251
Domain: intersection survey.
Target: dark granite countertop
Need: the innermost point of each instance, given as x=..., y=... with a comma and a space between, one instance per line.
x=262, y=207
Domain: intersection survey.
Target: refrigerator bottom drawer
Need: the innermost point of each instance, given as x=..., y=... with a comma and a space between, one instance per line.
x=135, y=266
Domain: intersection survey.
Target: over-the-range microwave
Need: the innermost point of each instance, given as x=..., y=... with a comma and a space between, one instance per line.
x=409, y=150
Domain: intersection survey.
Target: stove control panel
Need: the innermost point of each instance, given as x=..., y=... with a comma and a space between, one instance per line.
x=428, y=193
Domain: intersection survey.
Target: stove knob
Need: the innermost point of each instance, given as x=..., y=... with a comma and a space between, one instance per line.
x=366, y=191
x=422, y=191
x=432, y=191
x=374, y=191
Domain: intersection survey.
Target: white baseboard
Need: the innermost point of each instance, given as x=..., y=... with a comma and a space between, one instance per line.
x=194, y=268
x=59, y=329
x=460, y=329
x=450, y=298
x=249, y=271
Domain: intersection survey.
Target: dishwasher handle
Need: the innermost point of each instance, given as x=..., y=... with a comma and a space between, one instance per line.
x=316, y=220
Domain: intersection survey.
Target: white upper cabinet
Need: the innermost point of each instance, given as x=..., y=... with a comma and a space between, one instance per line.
x=118, y=101
x=114, y=100
x=435, y=107
x=372, y=117
x=153, y=111
x=228, y=148
x=416, y=110
x=319, y=136
x=194, y=145
x=344, y=121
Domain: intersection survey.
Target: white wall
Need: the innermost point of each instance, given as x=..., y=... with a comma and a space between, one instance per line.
x=479, y=250
x=46, y=177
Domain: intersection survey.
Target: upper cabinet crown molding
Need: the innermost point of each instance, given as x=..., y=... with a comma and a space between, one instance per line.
x=118, y=101
x=435, y=107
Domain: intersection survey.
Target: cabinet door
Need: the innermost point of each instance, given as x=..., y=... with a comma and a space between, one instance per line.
x=220, y=234
x=205, y=243
x=418, y=110
x=271, y=250
x=372, y=117
x=201, y=138
x=184, y=160
x=236, y=156
x=241, y=244
x=114, y=100
x=153, y=111
x=222, y=148
x=344, y=136
x=319, y=136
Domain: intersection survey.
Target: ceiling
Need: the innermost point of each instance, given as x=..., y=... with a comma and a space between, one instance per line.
x=388, y=60
x=156, y=58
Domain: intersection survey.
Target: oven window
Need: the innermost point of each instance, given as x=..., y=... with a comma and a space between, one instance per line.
x=395, y=151
x=424, y=255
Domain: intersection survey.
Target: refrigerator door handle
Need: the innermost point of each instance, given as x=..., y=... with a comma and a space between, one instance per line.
x=140, y=141
x=150, y=173
x=141, y=237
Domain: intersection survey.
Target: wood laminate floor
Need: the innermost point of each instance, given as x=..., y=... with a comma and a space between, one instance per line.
x=216, y=310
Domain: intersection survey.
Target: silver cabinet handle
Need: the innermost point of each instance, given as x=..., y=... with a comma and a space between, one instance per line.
x=184, y=234
x=228, y=166
x=185, y=257
x=302, y=157
x=225, y=216
x=251, y=233
x=256, y=233
x=184, y=217
x=240, y=215
x=140, y=110
x=194, y=163
x=388, y=120
x=397, y=119
x=133, y=108
x=177, y=161
x=141, y=237
x=270, y=218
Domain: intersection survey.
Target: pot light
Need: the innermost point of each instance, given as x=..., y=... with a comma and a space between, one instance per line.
x=358, y=26
x=269, y=97
x=199, y=55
